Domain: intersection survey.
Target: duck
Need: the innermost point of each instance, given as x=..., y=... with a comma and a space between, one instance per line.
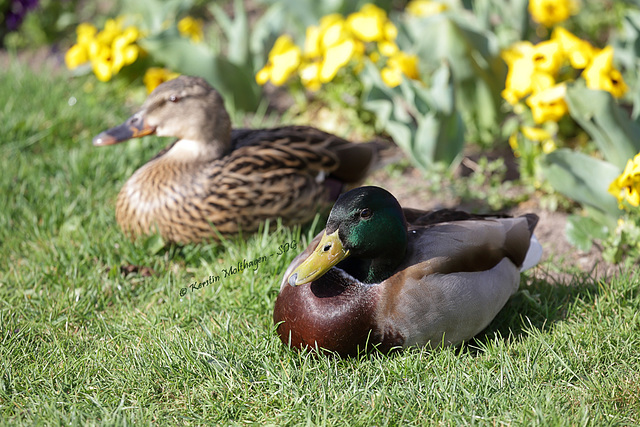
x=384, y=277
x=215, y=182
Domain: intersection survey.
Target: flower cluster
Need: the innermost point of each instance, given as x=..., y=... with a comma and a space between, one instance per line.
x=627, y=185
x=108, y=50
x=535, y=72
x=337, y=42
x=115, y=47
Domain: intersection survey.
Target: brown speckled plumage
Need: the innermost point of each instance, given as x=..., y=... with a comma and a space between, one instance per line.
x=232, y=180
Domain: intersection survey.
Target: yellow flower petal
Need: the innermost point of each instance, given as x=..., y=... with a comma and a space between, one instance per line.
x=312, y=42
x=263, y=76
x=601, y=75
x=76, y=56
x=333, y=33
x=102, y=70
x=155, y=76
x=310, y=76
x=335, y=58
x=425, y=8
x=284, y=59
x=517, y=51
x=368, y=24
x=548, y=105
x=192, y=28
x=577, y=50
x=551, y=12
x=547, y=56
x=392, y=77
x=519, y=77
x=535, y=134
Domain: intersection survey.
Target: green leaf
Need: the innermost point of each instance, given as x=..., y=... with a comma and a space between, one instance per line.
x=597, y=112
x=236, y=84
x=236, y=31
x=422, y=121
x=582, y=230
x=582, y=178
x=472, y=54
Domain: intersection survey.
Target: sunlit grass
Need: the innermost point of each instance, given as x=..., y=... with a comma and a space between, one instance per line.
x=83, y=342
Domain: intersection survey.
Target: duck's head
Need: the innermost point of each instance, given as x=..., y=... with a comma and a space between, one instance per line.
x=368, y=226
x=187, y=108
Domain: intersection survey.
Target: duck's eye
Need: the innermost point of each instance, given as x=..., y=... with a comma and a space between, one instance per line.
x=174, y=98
x=365, y=213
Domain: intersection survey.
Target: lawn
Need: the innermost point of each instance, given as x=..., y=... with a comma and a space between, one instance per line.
x=94, y=329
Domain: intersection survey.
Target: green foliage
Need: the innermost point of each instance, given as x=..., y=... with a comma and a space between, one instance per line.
x=422, y=121
x=582, y=178
x=627, y=45
x=616, y=136
x=477, y=70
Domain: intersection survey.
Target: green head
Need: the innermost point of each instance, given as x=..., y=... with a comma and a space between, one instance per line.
x=366, y=224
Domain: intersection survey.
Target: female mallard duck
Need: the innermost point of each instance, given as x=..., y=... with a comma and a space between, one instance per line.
x=216, y=181
x=381, y=274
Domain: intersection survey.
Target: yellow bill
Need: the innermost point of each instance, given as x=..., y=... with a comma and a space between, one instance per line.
x=328, y=253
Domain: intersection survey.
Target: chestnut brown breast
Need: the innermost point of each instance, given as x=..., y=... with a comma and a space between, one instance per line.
x=327, y=314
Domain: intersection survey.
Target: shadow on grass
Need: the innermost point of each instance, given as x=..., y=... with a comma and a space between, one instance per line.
x=539, y=304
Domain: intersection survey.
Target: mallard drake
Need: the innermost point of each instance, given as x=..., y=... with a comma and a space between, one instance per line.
x=214, y=181
x=382, y=275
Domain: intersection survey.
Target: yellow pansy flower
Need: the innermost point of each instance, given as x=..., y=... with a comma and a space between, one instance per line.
x=516, y=51
x=284, y=59
x=398, y=65
x=312, y=42
x=102, y=69
x=155, y=76
x=518, y=83
x=368, y=23
x=86, y=32
x=425, y=8
x=123, y=52
x=601, y=75
x=535, y=134
x=310, y=76
x=108, y=50
x=336, y=57
x=531, y=69
x=333, y=30
x=76, y=56
x=551, y=12
x=577, y=50
x=549, y=104
x=387, y=46
x=192, y=28
x=547, y=56
x=627, y=185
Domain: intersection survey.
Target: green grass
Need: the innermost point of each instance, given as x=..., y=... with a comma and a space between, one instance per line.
x=81, y=343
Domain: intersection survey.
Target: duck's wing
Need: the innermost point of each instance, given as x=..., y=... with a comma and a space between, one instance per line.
x=456, y=278
x=351, y=161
